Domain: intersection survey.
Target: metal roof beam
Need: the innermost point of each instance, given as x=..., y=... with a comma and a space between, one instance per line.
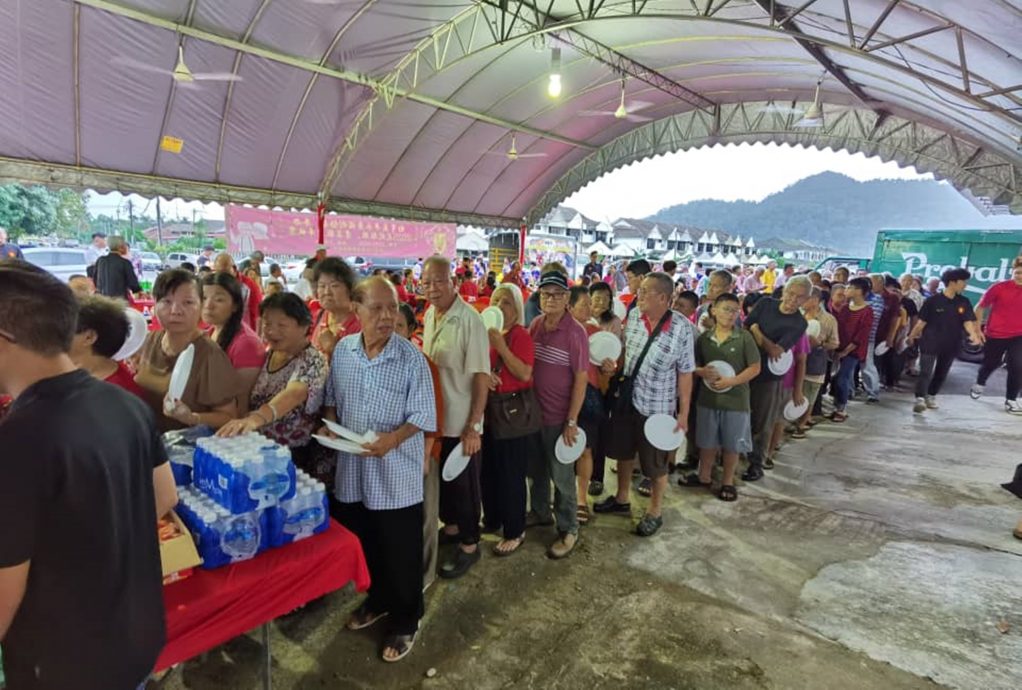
x=303, y=64
x=593, y=48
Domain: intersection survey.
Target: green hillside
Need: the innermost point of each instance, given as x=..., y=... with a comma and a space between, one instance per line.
x=833, y=210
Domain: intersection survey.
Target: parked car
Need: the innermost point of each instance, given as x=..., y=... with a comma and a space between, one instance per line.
x=151, y=261
x=62, y=262
x=175, y=259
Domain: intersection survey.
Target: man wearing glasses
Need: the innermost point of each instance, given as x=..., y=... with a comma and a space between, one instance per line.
x=559, y=375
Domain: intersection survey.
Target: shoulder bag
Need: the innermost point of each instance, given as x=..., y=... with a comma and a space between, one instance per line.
x=619, y=394
x=512, y=415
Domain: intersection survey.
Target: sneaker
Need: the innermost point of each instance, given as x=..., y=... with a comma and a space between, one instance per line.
x=595, y=488
x=768, y=463
x=1013, y=407
x=534, y=520
x=649, y=525
x=931, y=402
x=564, y=545
x=460, y=564
x=753, y=474
x=976, y=391
x=610, y=505
x=920, y=406
x=872, y=400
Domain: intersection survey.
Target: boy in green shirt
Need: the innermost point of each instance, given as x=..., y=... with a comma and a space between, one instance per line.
x=722, y=411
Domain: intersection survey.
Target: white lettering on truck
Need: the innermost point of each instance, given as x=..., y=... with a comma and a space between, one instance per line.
x=917, y=263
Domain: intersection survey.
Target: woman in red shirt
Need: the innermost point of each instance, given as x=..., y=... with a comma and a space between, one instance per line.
x=854, y=323
x=505, y=460
x=102, y=329
x=223, y=312
x=335, y=282
x=1004, y=336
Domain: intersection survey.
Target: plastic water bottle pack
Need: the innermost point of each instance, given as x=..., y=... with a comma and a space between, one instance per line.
x=222, y=537
x=305, y=514
x=244, y=473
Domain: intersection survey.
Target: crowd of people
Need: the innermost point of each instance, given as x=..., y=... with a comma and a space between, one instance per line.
x=407, y=356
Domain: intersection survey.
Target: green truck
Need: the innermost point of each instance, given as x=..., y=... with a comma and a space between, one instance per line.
x=987, y=254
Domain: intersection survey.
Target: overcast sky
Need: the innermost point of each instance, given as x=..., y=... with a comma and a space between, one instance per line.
x=728, y=173
x=641, y=189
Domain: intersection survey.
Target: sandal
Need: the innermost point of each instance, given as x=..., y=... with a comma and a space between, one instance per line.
x=838, y=417
x=363, y=618
x=517, y=541
x=692, y=481
x=582, y=514
x=402, y=643
x=798, y=434
x=645, y=487
x=768, y=462
x=727, y=493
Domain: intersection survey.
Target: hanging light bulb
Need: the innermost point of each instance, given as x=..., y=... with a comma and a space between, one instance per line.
x=813, y=116
x=553, y=87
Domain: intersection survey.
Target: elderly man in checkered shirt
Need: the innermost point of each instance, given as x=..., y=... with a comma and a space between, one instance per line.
x=380, y=382
x=662, y=385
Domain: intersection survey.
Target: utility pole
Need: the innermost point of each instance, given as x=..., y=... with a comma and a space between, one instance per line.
x=131, y=220
x=159, y=224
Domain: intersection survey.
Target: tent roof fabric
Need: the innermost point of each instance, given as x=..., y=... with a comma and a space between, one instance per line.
x=412, y=108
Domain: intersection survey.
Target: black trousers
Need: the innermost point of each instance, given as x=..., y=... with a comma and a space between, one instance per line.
x=994, y=352
x=460, y=500
x=503, y=473
x=392, y=543
x=933, y=370
x=890, y=365
x=817, y=410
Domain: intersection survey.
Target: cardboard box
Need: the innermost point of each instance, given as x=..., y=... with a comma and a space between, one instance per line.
x=178, y=554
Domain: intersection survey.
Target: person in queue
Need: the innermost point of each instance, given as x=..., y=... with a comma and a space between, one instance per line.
x=601, y=301
x=467, y=286
x=288, y=390
x=792, y=391
x=822, y=346
x=81, y=285
x=210, y=395
x=939, y=332
x=251, y=290
x=635, y=272
x=81, y=600
x=406, y=327
x=101, y=331
x=223, y=312
x=855, y=323
x=1003, y=337
x=335, y=284
x=686, y=303
x=454, y=337
x=506, y=445
x=723, y=411
x=380, y=382
x=560, y=378
x=662, y=384
x=115, y=276
x=777, y=325
x=720, y=281
x=592, y=418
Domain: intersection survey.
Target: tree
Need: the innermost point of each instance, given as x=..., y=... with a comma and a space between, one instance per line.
x=72, y=214
x=27, y=210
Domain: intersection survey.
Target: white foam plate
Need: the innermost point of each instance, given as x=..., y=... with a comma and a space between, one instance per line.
x=725, y=370
x=353, y=436
x=620, y=310
x=660, y=432
x=455, y=464
x=182, y=370
x=604, y=345
x=568, y=454
x=813, y=328
x=781, y=365
x=493, y=317
x=793, y=412
x=340, y=444
x=137, y=329
x=881, y=349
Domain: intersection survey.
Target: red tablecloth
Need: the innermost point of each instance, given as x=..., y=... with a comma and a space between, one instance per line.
x=213, y=606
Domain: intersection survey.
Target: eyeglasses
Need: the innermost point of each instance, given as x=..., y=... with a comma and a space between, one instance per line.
x=551, y=295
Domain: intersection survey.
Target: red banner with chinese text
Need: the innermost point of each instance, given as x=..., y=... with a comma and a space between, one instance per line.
x=283, y=232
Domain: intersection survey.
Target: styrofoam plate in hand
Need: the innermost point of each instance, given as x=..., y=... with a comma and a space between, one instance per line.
x=137, y=330
x=780, y=366
x=568, y=454
x=493, y=317
x=604, y=345
x=182, y=370
x=725, y=370
x=340, y=444
x=793, y=412
x=660, y=432
x=455, y=464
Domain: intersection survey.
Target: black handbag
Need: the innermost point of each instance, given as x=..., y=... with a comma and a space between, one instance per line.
x=619, y=394
x=512, y=415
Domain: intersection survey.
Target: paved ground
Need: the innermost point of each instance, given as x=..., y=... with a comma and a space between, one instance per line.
x=877, y=555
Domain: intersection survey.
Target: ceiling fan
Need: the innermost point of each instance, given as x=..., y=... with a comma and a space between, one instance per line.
x=623, y=112
x=512, y=153
x=181, y=73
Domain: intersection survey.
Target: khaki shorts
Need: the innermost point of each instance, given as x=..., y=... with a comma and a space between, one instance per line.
x=626, y=438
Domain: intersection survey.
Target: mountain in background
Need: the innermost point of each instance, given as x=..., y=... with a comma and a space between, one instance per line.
x=833, y=210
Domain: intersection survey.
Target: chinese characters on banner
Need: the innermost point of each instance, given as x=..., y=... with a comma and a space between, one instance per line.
x=283, y=232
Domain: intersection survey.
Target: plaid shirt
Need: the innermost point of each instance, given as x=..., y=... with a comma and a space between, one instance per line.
x=655, y=388
x=381, y=394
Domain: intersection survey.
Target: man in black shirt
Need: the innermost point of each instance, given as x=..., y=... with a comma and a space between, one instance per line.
x=83, y=476
x=939, y=332
x=594, y=268
x=115, y=276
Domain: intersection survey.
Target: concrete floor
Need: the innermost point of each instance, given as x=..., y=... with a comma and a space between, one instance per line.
x=878, y=554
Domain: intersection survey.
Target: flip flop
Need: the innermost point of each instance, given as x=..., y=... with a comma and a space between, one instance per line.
x=503, y=554
x=645, y=487
x=363, y=618
x=402, y=643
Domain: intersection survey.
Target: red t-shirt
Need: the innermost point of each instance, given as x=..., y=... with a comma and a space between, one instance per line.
x=246, y=351
x=560, y=353
x=520, y=343
x=125, y=379
x=254, y=298
x=1004, y=300
x=854, y=327
x=469, y=289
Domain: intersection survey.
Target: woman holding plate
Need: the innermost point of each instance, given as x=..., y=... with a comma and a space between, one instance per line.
x=209, y=395
x=512, y=422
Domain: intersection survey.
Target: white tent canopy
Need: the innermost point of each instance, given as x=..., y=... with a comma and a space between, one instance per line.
x=600, y=248
x=621, y=250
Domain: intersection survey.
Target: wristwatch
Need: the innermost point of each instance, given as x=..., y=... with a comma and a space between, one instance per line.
x=572, y=423
x=477, y=427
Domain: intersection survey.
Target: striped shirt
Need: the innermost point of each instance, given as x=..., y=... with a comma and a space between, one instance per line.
x=655, y=387
x=876, y=303
x=381, y=394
